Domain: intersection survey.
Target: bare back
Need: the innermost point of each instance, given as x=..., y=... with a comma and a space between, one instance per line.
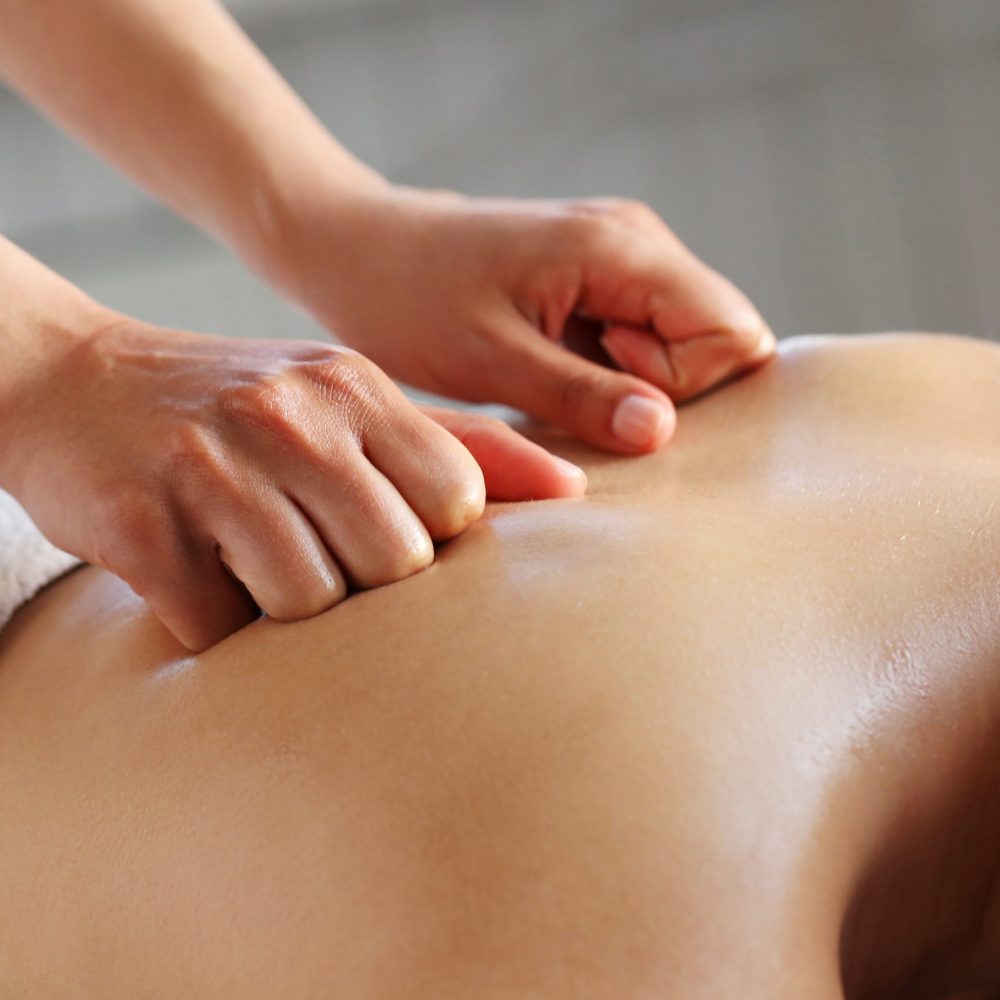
x=659, y=741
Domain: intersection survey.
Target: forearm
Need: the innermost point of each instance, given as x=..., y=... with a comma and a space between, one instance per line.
x=175, y=94
x=42, y=318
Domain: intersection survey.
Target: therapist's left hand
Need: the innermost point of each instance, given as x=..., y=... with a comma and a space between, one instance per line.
x=589, y=314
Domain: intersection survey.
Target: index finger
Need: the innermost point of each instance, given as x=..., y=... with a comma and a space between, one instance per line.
x=686, y=368
x=642, y=279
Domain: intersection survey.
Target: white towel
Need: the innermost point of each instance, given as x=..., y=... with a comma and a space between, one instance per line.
x=27, y=560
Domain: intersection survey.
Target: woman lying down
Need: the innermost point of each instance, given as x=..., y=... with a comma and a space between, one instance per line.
x=729, y=726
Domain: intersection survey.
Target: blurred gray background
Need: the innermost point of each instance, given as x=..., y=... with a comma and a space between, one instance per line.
x=839, y=160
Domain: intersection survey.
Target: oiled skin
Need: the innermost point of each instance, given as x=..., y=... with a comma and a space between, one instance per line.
x=726, y=727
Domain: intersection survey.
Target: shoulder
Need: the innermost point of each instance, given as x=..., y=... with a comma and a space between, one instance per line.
x=911, y=350
x=920, y=390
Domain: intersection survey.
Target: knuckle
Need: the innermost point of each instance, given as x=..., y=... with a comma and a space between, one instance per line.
x=598, y=221
x=311, y=599
x=271, y=406
x=320, y=591
x=135, y=541
x=189, y=448
x=398, y=558
x=203, y=622
x=579, y=390
x=592, y=206
x=461, y=499
x=635, y=212
x=325, y=596
x=199, y=468
x=197, y=635
x=479, y=430
x=342, y=377
x=589, y=230
x=130, y=516
x=348, y=384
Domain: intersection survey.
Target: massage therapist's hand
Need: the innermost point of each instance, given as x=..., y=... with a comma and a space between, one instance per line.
x=476, y=298
x=212, y=474
x=464, y=296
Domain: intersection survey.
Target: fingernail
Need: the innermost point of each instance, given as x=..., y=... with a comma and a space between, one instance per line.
x=637, y=420
x=568, y=469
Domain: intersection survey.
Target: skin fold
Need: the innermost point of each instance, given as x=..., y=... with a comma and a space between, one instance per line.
x=725, y=726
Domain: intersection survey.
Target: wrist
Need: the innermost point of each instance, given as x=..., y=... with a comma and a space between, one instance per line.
x=40, y=349
x=289, y=204
x=336, y=234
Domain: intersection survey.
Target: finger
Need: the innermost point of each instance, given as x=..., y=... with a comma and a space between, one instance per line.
x=174, y=569
x=608, y=409
x=194, y=596
x=200, y=602
x=270, y=546
x=514, y=468
x=683, y=368
x=430, y=469
x=362, y=518
x=645, y=278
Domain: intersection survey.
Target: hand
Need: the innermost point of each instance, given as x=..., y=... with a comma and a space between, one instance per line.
x=218, y=475
x=476, y=299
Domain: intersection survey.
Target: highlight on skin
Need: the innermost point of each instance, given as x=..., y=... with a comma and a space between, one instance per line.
x=727, y=725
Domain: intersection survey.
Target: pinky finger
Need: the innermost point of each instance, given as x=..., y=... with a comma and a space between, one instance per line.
x=202, y=604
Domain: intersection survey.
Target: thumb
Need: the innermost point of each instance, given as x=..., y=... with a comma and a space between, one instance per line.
x=611, y=410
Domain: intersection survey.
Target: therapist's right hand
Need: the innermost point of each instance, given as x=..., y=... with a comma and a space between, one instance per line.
x=216, y=475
